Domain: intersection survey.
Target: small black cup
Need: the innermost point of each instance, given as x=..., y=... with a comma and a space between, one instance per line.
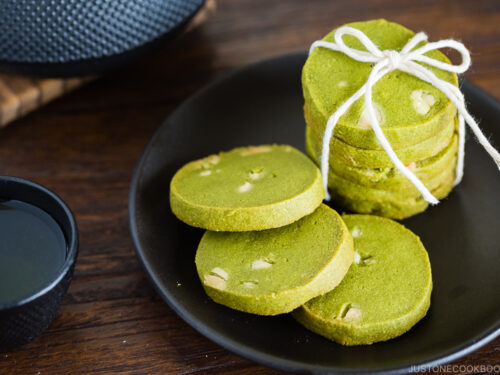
x=25, y=319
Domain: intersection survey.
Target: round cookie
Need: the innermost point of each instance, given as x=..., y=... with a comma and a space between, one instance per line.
x=386, y=291
x=394, y=209
x=387, y=178
x=267, y=272
x=357, y=191
x=359, y=157
x=248, y=188
x=435, y=125
x=409, y=108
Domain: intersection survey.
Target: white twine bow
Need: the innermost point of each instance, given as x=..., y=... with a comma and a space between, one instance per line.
x=406, y=60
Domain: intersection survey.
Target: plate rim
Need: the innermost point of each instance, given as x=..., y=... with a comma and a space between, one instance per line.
x=237, y=347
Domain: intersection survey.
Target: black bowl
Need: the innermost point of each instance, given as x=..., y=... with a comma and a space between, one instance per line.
x=23, y=320
x=78, y=37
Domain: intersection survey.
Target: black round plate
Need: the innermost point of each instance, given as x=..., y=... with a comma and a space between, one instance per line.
x=262, y=103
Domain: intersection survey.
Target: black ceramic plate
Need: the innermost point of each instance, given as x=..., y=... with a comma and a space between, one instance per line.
x=262, y=103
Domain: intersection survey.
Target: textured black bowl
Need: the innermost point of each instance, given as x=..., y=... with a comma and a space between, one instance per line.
x=24, y=320
x=77, y=37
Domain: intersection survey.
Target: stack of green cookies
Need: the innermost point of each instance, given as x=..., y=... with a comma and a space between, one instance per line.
x=418, y=120
x=272, y=247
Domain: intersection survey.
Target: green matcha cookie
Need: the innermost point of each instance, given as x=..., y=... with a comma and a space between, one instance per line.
x=387, y=178
x=274, y=271
x=359, y=157
x=438, y=123
x=391, y=207
x=248, y=188
x=386, y=291
x=357, y=191
x=410, y=110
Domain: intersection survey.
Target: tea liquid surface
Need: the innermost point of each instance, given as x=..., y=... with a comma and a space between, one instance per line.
x=32, y=250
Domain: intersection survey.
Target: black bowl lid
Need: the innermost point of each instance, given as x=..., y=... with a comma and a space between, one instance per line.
x=69, y=38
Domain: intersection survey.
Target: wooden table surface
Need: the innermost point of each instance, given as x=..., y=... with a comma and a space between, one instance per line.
x=85, y=146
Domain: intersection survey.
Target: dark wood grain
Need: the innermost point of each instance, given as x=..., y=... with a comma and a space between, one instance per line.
x=85, y=147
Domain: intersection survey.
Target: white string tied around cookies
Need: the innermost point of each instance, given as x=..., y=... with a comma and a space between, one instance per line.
x=407, y=60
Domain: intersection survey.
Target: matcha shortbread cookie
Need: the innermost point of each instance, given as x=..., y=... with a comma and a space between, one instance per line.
x=274, y=271
x=248, y=188
x=409, y=109
x=357, y=191
x=391, y=206
x=388, y=178
x=386, y=291
x=359, y=157
x=438, y=123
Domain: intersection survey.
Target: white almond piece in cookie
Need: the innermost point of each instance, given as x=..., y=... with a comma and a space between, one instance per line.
x=245, y=187
x=255, y=150
x=364, y=119
x=217, y=271
x=356, y=232
x=260, y=264
x=422, y=101
x=357, y=257
x=353, y=314
x=215, y=282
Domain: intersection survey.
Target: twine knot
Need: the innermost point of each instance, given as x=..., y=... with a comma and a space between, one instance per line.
x=394, y=58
